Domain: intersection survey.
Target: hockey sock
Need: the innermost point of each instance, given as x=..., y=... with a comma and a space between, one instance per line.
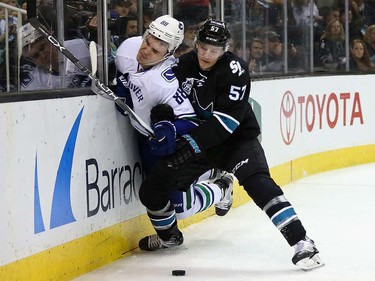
x=197, y=198
x=283, y=216
x=163, y=220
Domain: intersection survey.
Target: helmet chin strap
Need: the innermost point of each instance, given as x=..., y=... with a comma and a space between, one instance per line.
x=167, y=55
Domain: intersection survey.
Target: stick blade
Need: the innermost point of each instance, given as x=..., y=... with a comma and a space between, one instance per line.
x=94, y=58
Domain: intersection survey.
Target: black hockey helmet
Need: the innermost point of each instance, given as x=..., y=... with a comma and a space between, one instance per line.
x=214, y=32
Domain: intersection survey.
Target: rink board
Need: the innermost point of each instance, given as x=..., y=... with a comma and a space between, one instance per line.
x=71, y=173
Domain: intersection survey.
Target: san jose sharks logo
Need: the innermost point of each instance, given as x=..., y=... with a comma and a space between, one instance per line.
x=202, y=111
x=189, y=87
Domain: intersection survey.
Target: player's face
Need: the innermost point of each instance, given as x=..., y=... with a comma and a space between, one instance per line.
x=151, y=52
x=208, y=55
x=42, y=53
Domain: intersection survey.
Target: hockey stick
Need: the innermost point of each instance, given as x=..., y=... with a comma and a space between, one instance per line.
x=34, y=21
x=94, y=67
x=93, y=58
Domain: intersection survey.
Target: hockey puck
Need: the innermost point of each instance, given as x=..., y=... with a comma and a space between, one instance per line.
x=178, y=272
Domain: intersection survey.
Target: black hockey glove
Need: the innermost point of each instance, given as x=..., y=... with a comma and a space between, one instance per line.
x=162, y=112
x=187, y=150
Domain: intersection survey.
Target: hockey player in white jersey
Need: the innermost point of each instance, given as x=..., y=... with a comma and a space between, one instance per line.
x=43, y=72
x=149, y=86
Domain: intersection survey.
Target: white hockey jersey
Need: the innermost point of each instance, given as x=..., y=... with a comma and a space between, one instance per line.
x=150, y=87
x=39, y=79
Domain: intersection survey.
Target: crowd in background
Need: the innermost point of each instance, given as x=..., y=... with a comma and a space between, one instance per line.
x=265, y=49
x=258, y=34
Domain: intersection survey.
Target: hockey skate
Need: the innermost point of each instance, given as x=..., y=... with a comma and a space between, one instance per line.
x=153, y=242
x=306, y=255
x=226, y=185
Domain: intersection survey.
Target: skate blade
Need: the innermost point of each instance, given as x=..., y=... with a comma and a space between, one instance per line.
x=310, y=263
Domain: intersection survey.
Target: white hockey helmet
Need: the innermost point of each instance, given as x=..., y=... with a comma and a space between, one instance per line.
x=169, y=30
x=29, y=34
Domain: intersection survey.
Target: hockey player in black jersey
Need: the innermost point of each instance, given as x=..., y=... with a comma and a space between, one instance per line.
x=218, y=85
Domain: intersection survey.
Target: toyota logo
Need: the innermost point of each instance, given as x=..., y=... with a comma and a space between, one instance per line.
x=288, y=118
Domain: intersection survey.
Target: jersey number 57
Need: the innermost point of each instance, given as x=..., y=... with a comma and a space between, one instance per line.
x=237, y=93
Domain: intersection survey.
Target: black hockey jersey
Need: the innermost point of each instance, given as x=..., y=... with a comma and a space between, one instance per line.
x=219, y=97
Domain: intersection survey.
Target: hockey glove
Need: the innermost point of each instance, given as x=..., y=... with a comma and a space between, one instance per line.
x=187, y=150
x=164, y=142
x=162, y=112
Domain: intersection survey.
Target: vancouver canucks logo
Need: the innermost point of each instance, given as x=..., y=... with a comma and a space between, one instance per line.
x=168, y=75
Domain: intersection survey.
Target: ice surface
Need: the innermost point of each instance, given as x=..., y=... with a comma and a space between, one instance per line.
x=337, y=209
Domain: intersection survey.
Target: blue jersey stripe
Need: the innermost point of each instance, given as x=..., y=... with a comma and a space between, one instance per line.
x=163, y=222
x=227, y=121
x=283, y=215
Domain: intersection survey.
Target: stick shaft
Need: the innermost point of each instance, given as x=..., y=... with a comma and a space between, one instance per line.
x=34, y=21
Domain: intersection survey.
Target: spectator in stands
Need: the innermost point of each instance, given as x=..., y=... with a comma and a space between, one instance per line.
x=256, y=53
x=370, y=41
x=12, y=16
x=257, y=13
x=190, y=33
x=273, y=57
x=193, y=10
x=354, y=7
x=275, y=17
x=125, y=27
x=355, y=23
x=302, y=13
x=12, y=21
x=331, y=52
x=121, y=9
x=130, y=7
x=272, y=49
x=369, y=11
x=182, y=49
x=359, y=59
x=187, y=44
x=328, y=15
x=149, y=13
x=133, y=9
x=360, y=6
x=131, y=26
x=43, y=70
x=238, y=50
